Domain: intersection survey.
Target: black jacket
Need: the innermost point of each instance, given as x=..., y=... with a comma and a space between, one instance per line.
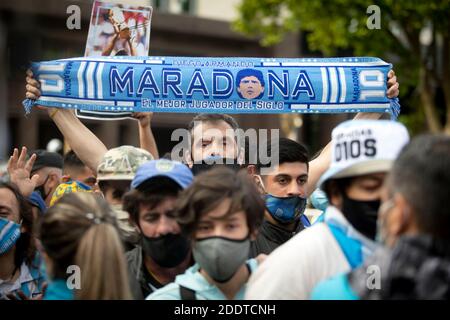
x=141, y=282
x=416, y=268
x=271, y=237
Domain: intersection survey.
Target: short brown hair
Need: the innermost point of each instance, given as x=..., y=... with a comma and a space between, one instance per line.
x=216, y=117
x=213, y=117
x=210, y=188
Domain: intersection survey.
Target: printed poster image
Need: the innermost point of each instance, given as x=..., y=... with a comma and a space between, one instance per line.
x=117, y=28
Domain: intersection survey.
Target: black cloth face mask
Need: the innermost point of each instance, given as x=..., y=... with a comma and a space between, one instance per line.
x=362, y=215
x=198, y=168
x=168, y=250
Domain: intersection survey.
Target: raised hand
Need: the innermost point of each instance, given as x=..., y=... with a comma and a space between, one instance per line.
x=393, y=85
x=33, y=92
x=20, y=170
x=144, y=118
x=32, y=86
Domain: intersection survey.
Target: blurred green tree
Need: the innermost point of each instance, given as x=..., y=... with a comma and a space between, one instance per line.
x=414, y=35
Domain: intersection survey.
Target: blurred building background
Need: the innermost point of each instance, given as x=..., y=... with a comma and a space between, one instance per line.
x=35, y=30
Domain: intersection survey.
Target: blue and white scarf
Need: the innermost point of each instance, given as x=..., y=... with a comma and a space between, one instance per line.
x=9, y=234
x=355, y=246
x=215, y=85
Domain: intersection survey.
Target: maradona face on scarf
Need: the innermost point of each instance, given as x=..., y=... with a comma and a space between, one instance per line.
x=250, y=84
x=250, y=87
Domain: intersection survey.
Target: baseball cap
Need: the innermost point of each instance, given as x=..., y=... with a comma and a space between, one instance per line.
x=174, y=170
x=121, y=163
x=361, y=147
x=46, y=158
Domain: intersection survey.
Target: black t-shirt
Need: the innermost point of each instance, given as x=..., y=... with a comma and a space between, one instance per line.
x=270, y=237
x=142, y=283
x=152, y=283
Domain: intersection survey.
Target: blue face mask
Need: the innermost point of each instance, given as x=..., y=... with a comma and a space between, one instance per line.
x=319, y=200
x=9, y=234
x=284, y=209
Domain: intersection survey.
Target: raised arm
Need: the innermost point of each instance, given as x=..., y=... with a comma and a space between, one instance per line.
x=319, y=165
x=110, y=46
x=83, y=141
x=132, y=46
x=146, y=138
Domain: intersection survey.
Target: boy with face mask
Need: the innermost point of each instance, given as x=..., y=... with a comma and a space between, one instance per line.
x=221, y=213
x=285, y=192
x=163, y=252
x=362, y=152
x=414, y=228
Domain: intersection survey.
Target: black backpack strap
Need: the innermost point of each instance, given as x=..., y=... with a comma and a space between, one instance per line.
x=187, y=294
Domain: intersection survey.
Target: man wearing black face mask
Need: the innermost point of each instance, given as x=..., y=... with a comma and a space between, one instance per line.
x=48, y=166
x=414, y=261
x=215, y=141
x=213, y=162
x=163, y=252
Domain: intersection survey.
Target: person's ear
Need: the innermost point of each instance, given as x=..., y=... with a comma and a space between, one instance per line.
x=336, y=200
x=259, y=183
x=134, y=224
x=54, y=180
x=400, y=219
x=188, y=158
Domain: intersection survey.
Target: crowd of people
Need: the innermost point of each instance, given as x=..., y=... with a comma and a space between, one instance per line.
x=126, y=224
